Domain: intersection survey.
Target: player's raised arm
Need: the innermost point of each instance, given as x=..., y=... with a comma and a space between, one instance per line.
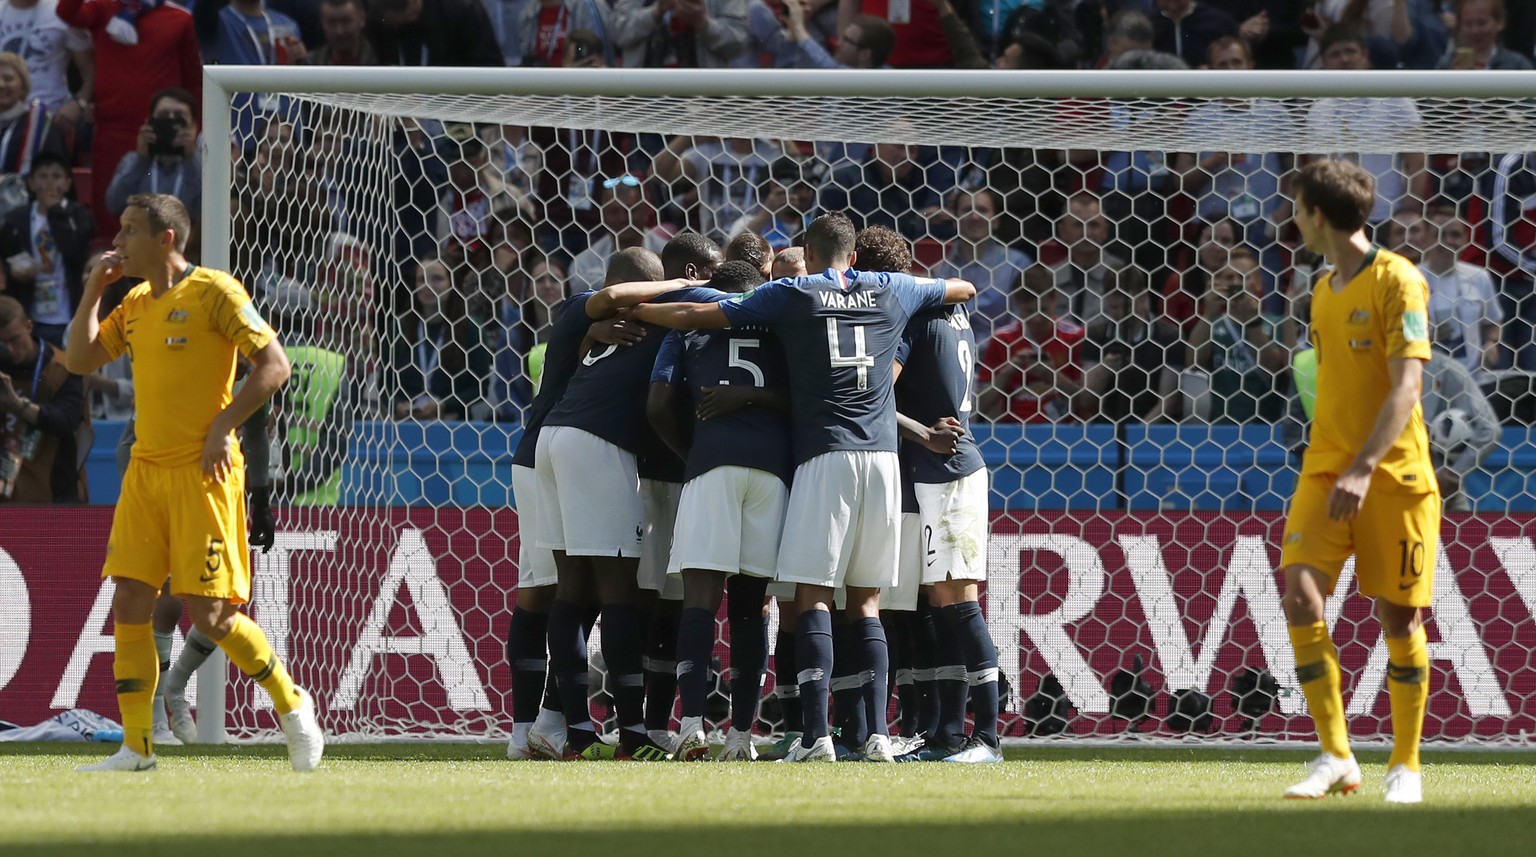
x=622, y=295
x=87, y=349
x=681, y=316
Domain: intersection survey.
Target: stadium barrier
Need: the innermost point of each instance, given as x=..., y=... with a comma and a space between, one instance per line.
x=397, y=616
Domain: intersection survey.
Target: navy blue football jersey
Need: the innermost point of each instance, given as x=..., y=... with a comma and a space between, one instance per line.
x=938, y=363
x=561, y=355
x=839, y=330
x=755, y=437
x=606, y=396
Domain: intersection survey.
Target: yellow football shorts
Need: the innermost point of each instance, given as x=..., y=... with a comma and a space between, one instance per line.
x=1394, y=539
x=174, y=521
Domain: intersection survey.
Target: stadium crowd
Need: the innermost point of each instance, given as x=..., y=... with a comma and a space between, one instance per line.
x=1112, y=286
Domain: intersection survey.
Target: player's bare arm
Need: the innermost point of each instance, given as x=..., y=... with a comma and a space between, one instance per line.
x=681, y=316
x=622, y=295
x=85, y=353
x=958, y=291
x=1350, y=488
x=270, y=369
x=618, y=330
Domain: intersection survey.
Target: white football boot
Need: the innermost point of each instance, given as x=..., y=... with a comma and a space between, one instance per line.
x=1329, y=775
x=1404, y=786
x=124, y=760
x=877, y=748
x=182, y=724
x=691, y=744
x=738, y=747
x=306, y=742
x=821, y=750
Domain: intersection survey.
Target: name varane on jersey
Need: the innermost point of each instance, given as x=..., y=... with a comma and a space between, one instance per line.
x=606, y=395
x=839, y=330
x=756, y=437
x=938, y=359
x=560, y=359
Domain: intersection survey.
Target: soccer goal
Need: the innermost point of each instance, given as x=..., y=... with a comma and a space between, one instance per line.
x=1142, y=376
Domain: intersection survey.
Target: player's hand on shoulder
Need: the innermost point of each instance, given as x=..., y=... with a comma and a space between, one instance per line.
x=619, y=330
x=218, y=455
x=718, y=401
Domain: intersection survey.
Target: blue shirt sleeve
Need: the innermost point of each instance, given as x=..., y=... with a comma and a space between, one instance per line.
x=763, y=305
x=916, y=294
x=669, y=360
x=691, y=295
x=904, y=347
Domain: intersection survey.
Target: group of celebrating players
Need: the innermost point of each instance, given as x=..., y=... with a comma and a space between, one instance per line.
x=702, y=430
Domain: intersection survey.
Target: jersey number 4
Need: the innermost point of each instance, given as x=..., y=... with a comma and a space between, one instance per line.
x=860, y=359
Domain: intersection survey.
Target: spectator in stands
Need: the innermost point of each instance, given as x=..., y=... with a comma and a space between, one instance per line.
x=680, y=33
x=768, y=46
x=1464, y=307
x=1512, y=237
x=789, y=262
x=727, y=172
x=623, y=226
x=33, y=29
x=1272, y=29
x=1079, y=258
x=977, y=256
x=1447, y=386
x=1031, y=368
x=504, y=16
x=160, y=46
x=25, y=129
x=434, y=33
x=545, y=25
x=897, y=186
x=786, y=203
x=168, y=158
x=919, y=32
x=1400, y=179
x=1191, y=279
x=469, y=201
x=1477, y=39
x=1241, y=352
x=1128, y=30
x=523, y=321
x=1186, y=29
x=438, y=357
x=43, y=247
x=1389, y=30
x=1244, y=186
x=345, y=44
x=865, y=42
x=1132, y=359
x=42, y=408
x=247, y=32
x=283, y=220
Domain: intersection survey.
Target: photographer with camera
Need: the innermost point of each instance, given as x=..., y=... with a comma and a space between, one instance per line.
x=166, y=159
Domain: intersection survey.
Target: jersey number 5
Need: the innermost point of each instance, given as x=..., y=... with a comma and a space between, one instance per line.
x=736, y=361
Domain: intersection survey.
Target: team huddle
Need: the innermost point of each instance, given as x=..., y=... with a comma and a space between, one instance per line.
x=734, y=427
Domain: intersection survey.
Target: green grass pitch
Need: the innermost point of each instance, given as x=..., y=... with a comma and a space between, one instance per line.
x=418, y=799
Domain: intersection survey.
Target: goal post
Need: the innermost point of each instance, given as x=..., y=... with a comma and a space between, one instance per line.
x=417, y=223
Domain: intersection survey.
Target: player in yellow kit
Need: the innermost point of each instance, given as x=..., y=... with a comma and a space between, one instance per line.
x=1367, y=486
x=182, y=508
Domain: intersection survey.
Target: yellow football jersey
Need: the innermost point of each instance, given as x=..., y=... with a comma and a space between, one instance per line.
x=182, y=345
x=1378, y=316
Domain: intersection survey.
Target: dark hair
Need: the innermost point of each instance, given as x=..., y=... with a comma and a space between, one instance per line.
x=1132, y=26
x=1226, y=42
x=736, y=276
x=880, y=248
x=688, y=248
x=48, y=159
x=1338, y=34
x=830, y=237
x=1343, y=191
x=634, y=265
x=175, y=93
x=165, y=212
x=751, y=248
x=877, y=37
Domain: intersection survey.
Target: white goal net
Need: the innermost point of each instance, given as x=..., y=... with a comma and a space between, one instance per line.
x=1142, y=381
